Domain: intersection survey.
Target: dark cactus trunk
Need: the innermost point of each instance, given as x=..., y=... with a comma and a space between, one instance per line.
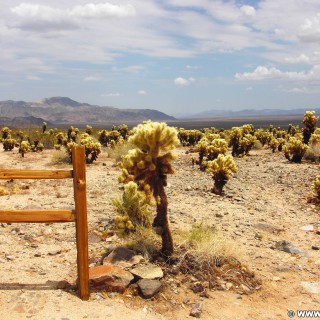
x=161, y=223
x=219, y=183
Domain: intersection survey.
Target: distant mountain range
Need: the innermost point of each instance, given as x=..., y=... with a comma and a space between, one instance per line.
x=65, y=111
x=250, y=113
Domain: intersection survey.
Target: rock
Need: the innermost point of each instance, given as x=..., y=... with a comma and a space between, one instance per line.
x=149, y=287
x=54, y=252
x=307, y=228
x=109, y=278
x=315, y=247
x=196, y=310
x=219, y=215
x=93, y=237
x=268, y=228
x=147, y=271
x=312, y=287
x=123, y=257
x=229, y=285
x=197, y=287
x=288, y=247
x=188, y=188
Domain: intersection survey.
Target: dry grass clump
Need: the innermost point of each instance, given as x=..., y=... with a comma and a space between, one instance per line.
x=208, y=256
x=144, y=241
x=119, y=150
x=60, y=157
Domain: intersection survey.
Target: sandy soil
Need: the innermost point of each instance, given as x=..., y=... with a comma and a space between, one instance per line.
x=265, y=202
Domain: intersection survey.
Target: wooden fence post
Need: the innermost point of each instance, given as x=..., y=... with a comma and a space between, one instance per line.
x=79, y=180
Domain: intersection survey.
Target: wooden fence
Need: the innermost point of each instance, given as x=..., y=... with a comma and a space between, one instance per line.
x=78, y=215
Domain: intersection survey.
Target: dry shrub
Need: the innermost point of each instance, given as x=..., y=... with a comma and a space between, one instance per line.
x=145, y=242
x=119, y=150
x=60, y=157
x=207, y=255
x=313, y=153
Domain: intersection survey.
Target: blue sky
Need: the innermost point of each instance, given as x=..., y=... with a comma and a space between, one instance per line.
x=177, y=56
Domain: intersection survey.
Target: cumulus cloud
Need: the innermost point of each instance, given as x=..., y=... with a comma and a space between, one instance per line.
x=248, y=10
x=182, y=82
x=103, y=10
x=310, y=29
x=302, y=58
x=264, y=73
x=142, y=92
x=43, y=17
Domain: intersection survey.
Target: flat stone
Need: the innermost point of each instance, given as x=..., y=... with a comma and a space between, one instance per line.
x=122, y=257
x=311, y=287
x=288, y=247
x=109, y=278
x=196, y=310
x=268, y=228
x=149, y=287
x=147, y=271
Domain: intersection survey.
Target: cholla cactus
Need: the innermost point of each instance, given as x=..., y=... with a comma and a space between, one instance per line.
x=124, y=131
x=106, y=137
x=241, y=141
x=5, y=133
x=263, y=136
x=8, y=144
x=189, y=137
x=44, y=127
x=133, y=208
x=24, y=148
x=148, y=165
x=92, y=147
x=201, y=147
x=221, y=168
x=310, y=121
x=294, y=150
x=88, y=130
x=274, y=144
x=217, y=146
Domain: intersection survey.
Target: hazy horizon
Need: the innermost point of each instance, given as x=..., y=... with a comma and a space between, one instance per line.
x=178, y=57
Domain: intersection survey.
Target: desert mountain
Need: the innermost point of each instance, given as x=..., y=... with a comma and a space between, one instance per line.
x=63, y=110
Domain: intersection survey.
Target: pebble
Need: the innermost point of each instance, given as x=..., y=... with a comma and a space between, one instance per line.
x=196, y=310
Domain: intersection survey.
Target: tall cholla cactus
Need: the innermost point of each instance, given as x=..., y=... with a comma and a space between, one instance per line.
x=221, y=169
x=148, y=165
x=294, y=150
x=310, y=121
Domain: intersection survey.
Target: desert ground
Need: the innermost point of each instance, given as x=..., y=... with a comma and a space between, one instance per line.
x=264, y=203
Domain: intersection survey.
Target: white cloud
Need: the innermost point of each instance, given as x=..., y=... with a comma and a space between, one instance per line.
x=103, y=10
x=248, y=10
x=302, y=90
x=111, y=94
x=302, y=58
x=91, y=78
x=182, y=82
x=142, y=92
x=264, y=73
x=310, y=29
x=192, y=67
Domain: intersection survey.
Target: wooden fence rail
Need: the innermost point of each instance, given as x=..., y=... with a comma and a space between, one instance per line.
x=78, y=215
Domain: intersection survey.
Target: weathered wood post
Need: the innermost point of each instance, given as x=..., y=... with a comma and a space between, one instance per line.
x=79, y=181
